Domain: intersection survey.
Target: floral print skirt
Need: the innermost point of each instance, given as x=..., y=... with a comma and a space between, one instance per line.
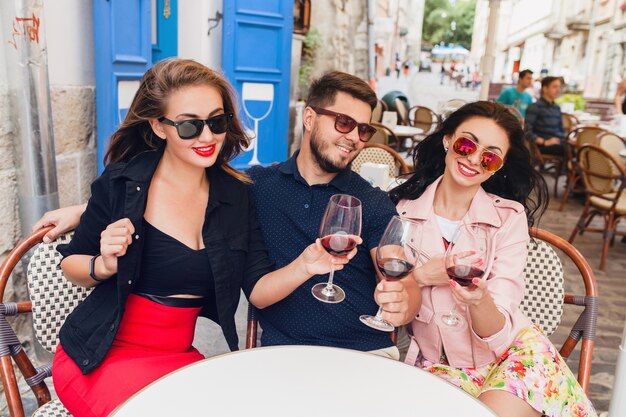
x=531, y=369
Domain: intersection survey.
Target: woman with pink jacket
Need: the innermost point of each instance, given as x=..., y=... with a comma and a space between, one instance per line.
x=476, y=169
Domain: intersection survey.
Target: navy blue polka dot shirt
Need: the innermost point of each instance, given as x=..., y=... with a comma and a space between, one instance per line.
x=290, y=212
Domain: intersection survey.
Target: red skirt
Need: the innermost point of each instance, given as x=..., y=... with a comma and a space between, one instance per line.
x=153, y=340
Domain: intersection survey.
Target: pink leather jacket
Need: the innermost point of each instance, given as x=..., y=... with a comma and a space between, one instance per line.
x=504, y=272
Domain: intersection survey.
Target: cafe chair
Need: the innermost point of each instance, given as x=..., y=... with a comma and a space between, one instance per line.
x=578, y=137
x=612, y=143
x=377, y=113
x=52, y=298
x=569, y=122
x=381, y=154
x=425, y=119
x=384, y=136
x=403, y=112
x=450, y=107
x=544, y=296
x=604, y=178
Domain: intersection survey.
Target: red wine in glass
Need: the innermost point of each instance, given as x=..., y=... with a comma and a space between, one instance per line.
x=465, y=256
x=464, y=274
x=392, y=268
x=338, y=244
x=396, y=257
x=340, y=226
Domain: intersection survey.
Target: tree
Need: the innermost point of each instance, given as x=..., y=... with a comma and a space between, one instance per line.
x=449, y=21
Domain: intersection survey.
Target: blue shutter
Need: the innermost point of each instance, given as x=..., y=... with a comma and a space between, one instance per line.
x=122, y=52
x=256, y=58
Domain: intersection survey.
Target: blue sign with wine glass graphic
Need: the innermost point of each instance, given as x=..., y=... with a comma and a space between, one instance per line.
x=256, y=58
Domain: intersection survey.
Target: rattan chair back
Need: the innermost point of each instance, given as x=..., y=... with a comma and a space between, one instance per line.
x=544, y=291
x=377, y=113
x=541, y=299
x=381, y=154
x=424, y=118
x=403, y=112
x=51, y=300
x=53, y=297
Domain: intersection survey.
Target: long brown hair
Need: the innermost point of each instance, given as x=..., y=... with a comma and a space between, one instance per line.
x=135, y=134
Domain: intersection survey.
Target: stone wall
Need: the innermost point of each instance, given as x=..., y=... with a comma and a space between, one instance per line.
x=73, y=115
x=343, y=26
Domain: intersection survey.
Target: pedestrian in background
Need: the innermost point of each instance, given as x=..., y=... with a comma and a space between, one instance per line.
x=517, y=96
x=543, y=122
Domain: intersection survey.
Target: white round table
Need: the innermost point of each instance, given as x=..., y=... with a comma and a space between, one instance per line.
x=301, y=381
x=406, y=131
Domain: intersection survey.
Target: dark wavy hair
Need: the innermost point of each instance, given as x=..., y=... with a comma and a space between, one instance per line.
x=516, y=180
x=135, y=134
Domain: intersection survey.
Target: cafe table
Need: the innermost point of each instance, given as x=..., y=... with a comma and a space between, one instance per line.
x=406, y=131
x=301, y=381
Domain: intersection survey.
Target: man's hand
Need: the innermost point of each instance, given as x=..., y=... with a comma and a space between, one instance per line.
x=317, y=261
x=399, y=299
x=64, y=220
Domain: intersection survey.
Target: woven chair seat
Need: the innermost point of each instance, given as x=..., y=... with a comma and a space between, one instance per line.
x=52, y=409
x=376, y=156
x=544, y=292
x=605, y=204
x=53, y=297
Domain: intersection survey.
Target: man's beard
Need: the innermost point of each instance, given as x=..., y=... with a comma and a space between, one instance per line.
x=325, y=163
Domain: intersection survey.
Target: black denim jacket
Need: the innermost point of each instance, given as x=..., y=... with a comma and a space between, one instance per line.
x=231, y=235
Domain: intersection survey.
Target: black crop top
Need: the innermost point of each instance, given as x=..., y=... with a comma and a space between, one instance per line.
x=169, y=267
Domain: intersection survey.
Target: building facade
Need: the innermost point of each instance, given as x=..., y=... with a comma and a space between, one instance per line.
x=582, y=40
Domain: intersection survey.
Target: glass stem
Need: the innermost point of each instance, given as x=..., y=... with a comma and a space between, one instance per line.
x=329, y=284
x=379, y=314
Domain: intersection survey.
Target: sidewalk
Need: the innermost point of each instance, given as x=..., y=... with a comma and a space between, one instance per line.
x=424, y=88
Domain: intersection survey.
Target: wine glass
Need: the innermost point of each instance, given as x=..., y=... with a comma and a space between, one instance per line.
x=396, y=257
x=465, y=259
x=340, y=226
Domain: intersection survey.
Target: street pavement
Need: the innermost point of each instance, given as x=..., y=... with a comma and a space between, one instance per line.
x=424, y=89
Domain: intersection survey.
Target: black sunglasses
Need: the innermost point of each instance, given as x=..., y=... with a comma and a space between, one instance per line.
x=346, y=124
x=192, y=128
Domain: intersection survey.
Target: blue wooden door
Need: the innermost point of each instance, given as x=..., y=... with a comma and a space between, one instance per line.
x=256, y=58
x=123, y=53
x=165, y=31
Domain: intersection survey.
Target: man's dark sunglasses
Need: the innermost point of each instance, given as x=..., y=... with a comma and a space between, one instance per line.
x=346, y=124
x=192, y=128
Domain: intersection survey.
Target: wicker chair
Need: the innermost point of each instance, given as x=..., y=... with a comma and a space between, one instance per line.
x=544, y=296
x=384, y=136
x=569, y=122
x=612, y=143
x=377, y=113
x=577, y=138
x=52, y=298
x=605, y=179
x=403, y=112
x=424, y=118
x=381, y=154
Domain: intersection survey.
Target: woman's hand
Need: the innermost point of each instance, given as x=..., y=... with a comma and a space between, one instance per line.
x=317, y=261
x=64, y=220
x=114, y=241
x=432, y=273
x=470, y=297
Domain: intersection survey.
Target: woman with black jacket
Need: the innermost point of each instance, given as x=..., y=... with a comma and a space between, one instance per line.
x=169, y=233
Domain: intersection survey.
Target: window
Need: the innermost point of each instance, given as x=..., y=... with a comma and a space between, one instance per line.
x=301, y=16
